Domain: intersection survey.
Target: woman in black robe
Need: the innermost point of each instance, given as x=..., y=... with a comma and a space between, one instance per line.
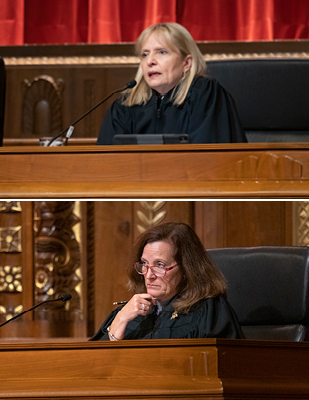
x=173, y=94
x=179, y=292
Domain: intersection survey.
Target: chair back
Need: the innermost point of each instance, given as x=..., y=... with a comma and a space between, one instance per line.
x=271, y=95
x=268, y=289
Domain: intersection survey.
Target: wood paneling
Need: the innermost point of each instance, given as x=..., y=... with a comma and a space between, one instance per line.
x=253, y=223
x=180, y=369
x=81, y=88
x=88, y=73
x=118, y=223
x=244, y=223
x=169, y=171
x=107, y=232
x=51, y=264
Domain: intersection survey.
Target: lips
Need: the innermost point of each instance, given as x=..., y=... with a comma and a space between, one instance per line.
x=153, y=73
x=149, y=286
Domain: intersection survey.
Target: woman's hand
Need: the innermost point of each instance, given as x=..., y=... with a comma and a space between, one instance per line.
x=140, y=304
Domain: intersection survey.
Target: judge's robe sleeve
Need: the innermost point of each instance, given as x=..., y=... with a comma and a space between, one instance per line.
x=213, y=114
x=116, y=121
x=214, y=318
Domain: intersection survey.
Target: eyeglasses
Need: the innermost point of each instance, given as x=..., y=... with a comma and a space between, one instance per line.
x=143, y=268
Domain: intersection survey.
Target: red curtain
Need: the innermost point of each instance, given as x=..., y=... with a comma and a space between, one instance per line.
x=12, y=22
x=112, y=21
x=123, y=20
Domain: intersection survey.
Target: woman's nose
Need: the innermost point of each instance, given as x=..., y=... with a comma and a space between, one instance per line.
x=150, y=273
x=151, y=60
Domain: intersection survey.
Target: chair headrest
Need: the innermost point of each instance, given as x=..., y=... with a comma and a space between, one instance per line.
x=266, y=285
x=270, y=94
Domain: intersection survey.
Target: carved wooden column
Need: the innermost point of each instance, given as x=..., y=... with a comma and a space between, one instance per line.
x=43, y=254
x=58, y=265
x=11, y=266
x=301, y=223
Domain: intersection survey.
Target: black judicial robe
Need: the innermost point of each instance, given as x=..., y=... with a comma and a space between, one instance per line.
x=211, y=318
x=208, y=115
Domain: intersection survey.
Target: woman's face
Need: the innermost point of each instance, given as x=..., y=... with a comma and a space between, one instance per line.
x=161, y=253
x=162, y=67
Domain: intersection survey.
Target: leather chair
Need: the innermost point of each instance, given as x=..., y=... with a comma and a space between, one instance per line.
x=268, y=289
x=2, y=98
x=271, y=95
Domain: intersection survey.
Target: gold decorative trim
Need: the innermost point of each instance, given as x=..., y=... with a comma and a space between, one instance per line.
x=151, y=216
x=11, y=279
x=10, y=240
x=10, y=311
x=10, y=206
x=58, y=256
x=70, y=60
x=131, y=60
x=77, y=229
x=239, y=56
x=301, y=223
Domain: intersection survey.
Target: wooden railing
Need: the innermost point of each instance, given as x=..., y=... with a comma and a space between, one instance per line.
x=256, y=170
x=149, y=369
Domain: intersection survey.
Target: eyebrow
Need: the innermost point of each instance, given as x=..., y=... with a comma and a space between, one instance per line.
x=156, y=260
x=156, y=49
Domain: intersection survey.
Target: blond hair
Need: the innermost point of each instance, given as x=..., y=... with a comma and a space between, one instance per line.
x=178, y=39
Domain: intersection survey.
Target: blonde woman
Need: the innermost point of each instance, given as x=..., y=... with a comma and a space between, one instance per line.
x=173, y=93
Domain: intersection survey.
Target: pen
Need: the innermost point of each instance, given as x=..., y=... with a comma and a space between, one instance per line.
x=118, y=303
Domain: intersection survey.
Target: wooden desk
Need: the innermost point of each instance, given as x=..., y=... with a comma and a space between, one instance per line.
x=149, y=369
x=259, y=170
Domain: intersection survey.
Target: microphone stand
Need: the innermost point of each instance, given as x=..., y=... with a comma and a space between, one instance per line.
x=71, y=127
x=61, y=298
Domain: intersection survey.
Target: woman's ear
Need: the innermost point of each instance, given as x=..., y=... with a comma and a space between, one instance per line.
x=187, y=63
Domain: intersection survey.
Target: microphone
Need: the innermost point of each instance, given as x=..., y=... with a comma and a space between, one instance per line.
x=64, y=298
x=70, y=130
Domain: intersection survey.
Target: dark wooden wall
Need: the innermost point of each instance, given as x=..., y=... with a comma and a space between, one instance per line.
x=50, y=87
x=82, y=247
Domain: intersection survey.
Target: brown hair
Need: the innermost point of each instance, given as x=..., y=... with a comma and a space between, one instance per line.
x=201, y=278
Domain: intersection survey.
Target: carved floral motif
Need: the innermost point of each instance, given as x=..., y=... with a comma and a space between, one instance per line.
x=10, y=239
x=9, y=311
x=57, y=254
x=10, y=206
x=11, y=279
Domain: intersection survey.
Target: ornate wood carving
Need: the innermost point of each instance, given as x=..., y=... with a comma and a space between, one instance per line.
x=42, y=106
x=11, y=259
x=269, y=166
x=150, y=214
x=301, y=217
x=9, y=311
x=10, y=239
x=57, y=258
x=11, y=279
x=90, y=267
x=10, y=206
x=133, y=60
